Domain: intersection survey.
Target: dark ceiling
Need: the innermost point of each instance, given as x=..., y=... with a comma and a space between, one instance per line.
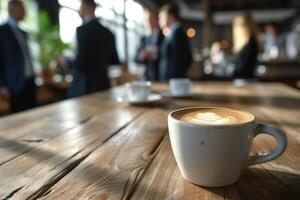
x=237, y=4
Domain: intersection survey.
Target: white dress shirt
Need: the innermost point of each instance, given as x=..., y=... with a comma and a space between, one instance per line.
x=28, y=69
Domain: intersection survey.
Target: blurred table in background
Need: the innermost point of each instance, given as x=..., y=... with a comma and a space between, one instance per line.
x=279, y=70
x=287, y=72
x=53, y=91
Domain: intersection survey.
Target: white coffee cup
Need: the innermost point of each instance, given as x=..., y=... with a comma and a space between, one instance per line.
x=180, y=86
x=138, y=91
x=217, y=154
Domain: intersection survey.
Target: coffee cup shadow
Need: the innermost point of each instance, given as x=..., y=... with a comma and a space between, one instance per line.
x=258, y=183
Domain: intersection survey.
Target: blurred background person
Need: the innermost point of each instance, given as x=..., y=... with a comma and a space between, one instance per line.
x=218, y=63
x=96, y=51
x=245, y=46
x=293, y=43
x=149, y=50
x=176, y=56
x=270, y=42
x=16, y=69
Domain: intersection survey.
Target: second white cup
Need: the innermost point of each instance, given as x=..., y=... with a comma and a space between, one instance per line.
x=138, y=90
x=180, y=86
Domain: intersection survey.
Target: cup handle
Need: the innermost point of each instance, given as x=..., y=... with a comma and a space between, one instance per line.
x=280, y=137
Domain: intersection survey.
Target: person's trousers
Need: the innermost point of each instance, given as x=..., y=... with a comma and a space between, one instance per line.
x=26, y=98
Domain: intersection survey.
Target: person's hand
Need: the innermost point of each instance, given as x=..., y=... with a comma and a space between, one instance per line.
x=141, y=55
x=61, y=60
x=5, y=93
x=124, y=69
x=148, y=55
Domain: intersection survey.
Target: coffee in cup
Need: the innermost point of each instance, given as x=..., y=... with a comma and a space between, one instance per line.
x=211, y=145
x=180, y=86
x=212, y=116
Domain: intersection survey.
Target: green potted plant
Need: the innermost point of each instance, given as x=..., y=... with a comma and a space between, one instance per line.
x=50, y=44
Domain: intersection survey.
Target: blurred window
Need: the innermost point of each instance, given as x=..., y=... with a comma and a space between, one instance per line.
x=134, y=11
x=118, y=6
x=69, y=20
x=3, y=12
x=73, y=4
x=30, y=23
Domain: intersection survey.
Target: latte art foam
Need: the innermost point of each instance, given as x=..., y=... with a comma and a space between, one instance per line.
x=215, y=117
x=209, y=118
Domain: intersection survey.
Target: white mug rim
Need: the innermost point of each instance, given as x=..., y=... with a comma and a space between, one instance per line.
x=177, y=80
x=190, y=124
x=139, y=83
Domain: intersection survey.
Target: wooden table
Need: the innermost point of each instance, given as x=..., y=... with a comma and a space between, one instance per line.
x=97, y=148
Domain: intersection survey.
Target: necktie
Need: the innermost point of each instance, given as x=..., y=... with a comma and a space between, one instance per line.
x=28, y=69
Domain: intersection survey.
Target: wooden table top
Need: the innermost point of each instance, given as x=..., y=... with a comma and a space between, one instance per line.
x=97, y=148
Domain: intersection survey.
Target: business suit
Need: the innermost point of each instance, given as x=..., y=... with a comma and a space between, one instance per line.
x=95, y=52
x=16, y=71
x=246, y=60
x=153, y=40
x=176, y=55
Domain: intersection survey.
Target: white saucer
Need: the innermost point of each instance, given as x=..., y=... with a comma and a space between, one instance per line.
x=151, y=99
x=170, y=95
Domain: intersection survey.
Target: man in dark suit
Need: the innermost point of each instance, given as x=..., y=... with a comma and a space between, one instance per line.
x=95, y=52
x=16, y=70
x=149, y=50
x=176, y=54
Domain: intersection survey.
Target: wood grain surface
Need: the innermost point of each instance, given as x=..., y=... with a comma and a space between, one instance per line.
x=95, y=147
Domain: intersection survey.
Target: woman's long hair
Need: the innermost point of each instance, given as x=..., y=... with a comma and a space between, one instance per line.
x=243, y=29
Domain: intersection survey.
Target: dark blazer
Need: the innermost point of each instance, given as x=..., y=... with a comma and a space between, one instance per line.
x=96, y=50
x=12, y=62
x=246, y=60
x=176, y=55
x=151, y=72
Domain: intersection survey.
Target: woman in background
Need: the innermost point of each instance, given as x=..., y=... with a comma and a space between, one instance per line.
x=245, y=46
